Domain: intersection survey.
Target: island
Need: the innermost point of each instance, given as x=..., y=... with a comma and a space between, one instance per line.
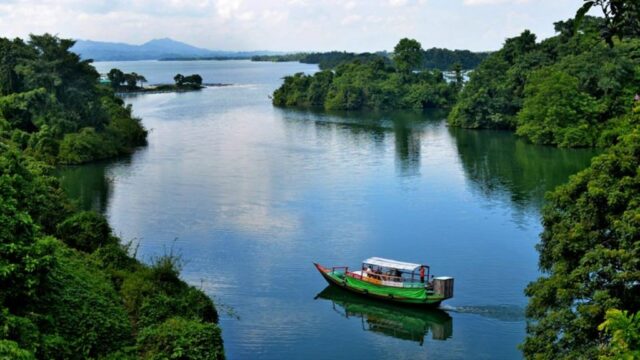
x=123, y=83
x=372, y=83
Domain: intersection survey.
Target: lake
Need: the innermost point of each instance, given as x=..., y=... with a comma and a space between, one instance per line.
x=250, y=195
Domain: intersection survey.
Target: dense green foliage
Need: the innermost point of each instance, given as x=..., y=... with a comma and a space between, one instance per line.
x=279, y=58
x=325, y=60
x=178, y=338
x=407, y=55
x=53, y=108
x=186, y=81
x=590, y=253
x=445, y=59
x=70, y=289
x=568, y=90
x=85, y=296
x=621, y=18
x=125, y=82
x=434, y=58
x=371, y=85
x=623, y=330
x=331, y=60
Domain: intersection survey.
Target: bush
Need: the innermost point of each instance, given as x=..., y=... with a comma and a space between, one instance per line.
x=154, y=294
x=179, y=338
x=9, y=350
x=82, y=309
x=86, y=231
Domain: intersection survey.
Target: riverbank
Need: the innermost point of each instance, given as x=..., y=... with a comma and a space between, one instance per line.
x=71, y=288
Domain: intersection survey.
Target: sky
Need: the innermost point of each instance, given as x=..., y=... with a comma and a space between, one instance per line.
x=289, y=25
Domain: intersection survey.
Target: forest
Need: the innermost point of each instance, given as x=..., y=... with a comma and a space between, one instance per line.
x=52, y=108
x=434, y=58
x=372, y=85
x=71, y=289
x=570, y=90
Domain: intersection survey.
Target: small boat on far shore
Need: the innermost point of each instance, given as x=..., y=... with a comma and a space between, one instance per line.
x=391, y=280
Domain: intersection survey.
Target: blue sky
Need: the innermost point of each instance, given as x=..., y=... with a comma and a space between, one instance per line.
x=355, y=25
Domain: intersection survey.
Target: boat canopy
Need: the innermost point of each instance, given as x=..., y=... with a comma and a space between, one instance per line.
x=392, y=264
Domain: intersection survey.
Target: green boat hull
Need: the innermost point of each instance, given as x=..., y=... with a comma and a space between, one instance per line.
x=417, y=296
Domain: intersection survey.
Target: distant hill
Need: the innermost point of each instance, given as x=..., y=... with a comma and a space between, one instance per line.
x=156, y=49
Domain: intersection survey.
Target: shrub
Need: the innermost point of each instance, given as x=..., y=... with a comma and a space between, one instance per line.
x=82, y=308
x=179, y=338
x=86, y=231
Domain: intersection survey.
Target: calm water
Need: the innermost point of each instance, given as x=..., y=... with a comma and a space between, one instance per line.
x=251, y=195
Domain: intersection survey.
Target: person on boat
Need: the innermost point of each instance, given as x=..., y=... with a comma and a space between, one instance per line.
x=397, y=275
x=422, y=274
x=369, y=271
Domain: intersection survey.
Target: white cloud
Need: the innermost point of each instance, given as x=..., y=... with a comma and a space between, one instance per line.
x=348, y=20
x=398, y=2
x=288, y=24
x=227, y=8
x=493, y=2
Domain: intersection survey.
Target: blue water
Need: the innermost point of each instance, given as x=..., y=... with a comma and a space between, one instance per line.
x=250, y=195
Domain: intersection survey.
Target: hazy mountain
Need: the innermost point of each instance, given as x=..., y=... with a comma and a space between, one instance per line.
x=152, y=50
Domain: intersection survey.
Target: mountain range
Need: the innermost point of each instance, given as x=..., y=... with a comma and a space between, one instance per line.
x=156, y=49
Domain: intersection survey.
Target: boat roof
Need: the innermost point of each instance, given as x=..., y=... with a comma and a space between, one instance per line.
x=393, y=264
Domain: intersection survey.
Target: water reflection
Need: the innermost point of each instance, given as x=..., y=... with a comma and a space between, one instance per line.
x=87, y=185
x=501, y=165
x=390, y=320
x=407, y=128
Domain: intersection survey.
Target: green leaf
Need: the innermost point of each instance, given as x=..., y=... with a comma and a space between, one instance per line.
x=584, y=9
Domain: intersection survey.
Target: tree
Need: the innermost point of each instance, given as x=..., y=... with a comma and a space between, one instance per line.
x=589, y=254
x=623, y=330
x=556, y=111
x=193, y=79
x=141, y=79
x=407, y=55
x=179, y=79
x=116, y=76
x=457, y=69
x=622, y=17
x=131, y=80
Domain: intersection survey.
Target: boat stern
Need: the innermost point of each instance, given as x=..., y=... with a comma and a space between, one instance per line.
x=443, y=286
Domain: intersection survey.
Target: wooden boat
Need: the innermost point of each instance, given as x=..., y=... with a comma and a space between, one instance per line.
x=391, y=280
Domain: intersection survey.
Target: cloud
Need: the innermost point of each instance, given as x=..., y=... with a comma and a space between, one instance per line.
x=493, y=2
x=398, y=2
x=227, y=8
x=348, y=20
x=305, y=25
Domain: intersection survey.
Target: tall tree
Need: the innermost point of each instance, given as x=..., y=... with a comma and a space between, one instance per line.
x=116, y=76
x=590, y=254
x=141, y=79
x=179, y=79
x=622, y=17
x=457, y=70
x=407, y=55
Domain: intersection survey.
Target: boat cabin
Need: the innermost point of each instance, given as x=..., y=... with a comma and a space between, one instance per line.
x=393, y=273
